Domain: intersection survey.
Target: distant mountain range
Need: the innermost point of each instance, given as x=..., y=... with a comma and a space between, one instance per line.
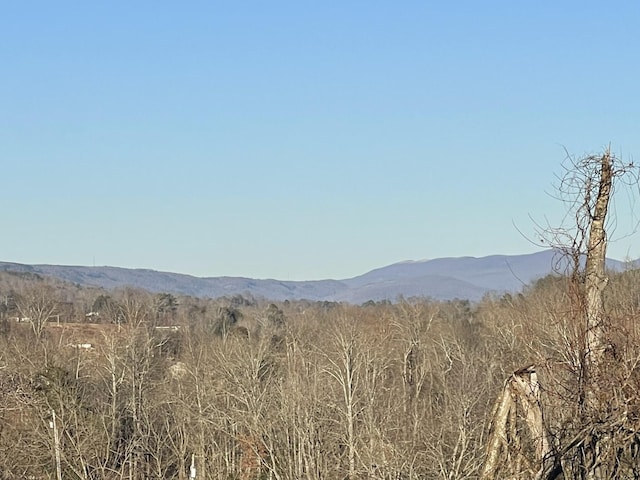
x=440, y=279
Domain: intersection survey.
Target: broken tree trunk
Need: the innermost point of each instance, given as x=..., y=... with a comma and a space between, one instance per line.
x=520, y=390
x=595, y=275
x=595, y=282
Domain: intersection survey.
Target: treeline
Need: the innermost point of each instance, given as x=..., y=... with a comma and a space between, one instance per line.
x=150, y=386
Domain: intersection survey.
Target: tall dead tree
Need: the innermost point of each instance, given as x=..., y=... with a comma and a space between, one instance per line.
x=596, y=450
x=595, y=270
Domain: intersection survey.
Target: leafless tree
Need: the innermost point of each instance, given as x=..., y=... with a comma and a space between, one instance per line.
x=37, y=305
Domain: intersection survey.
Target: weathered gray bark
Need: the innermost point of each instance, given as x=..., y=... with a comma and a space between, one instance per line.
x=595, y=274
x=498, y=439
x=595, y=337
x=521, y=389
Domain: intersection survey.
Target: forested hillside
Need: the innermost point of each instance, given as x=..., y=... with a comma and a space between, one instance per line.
x=439, y=279
x=295, y=390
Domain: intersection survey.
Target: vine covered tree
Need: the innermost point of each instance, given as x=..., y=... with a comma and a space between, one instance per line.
x=593, y=435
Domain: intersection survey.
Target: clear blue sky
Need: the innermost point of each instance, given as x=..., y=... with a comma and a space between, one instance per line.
x=302, y=140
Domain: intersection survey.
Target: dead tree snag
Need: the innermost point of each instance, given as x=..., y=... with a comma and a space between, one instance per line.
x=600, y=438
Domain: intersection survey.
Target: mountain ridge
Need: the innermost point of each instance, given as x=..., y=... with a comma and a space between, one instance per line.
x=444, y=278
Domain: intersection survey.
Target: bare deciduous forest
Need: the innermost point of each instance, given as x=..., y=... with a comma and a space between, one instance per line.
x=129, y=385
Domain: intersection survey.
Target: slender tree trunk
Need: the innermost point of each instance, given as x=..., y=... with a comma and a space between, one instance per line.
x=56, y=444
x=344, y=371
